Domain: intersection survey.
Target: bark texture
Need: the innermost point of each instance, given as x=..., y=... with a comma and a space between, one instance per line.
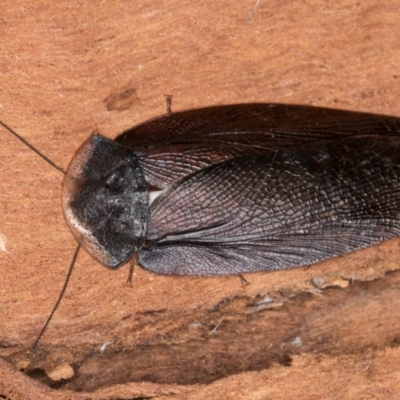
x=70, y=68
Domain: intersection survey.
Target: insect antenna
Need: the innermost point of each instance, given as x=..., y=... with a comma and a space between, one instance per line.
x=71, y=267
x=24, y=141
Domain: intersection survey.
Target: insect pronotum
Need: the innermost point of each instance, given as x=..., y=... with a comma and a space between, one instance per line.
x=235, y=189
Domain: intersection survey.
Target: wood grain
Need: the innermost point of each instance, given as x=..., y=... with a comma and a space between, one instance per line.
x=70, y=68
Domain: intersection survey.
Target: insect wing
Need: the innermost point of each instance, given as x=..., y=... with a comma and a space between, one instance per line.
x=171, y=147
x=275, y=211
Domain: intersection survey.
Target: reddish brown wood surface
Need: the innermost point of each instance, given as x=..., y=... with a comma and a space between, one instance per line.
x=70, y=68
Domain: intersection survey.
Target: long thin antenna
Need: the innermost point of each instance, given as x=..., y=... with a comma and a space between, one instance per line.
x=33, y=148
x=64, y=288
x=59, y=297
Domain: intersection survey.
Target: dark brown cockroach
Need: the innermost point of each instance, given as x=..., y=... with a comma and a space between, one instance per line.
x=236, y=189
x=244, y=188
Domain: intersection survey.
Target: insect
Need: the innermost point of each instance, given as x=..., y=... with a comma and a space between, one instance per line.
x=236, y=189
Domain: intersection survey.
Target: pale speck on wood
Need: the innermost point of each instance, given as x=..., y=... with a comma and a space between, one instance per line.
x=104, y=345
x=297, y=342
x=214, y=331
x=3, y=242
x=63, y=371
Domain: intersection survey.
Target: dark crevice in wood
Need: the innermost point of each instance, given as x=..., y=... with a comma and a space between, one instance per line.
x=236, y=336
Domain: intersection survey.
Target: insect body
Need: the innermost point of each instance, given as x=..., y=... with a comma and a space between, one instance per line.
x=239, y=188
x=244, y=188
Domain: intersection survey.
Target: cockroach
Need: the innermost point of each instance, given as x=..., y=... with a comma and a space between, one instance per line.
x=235, y=189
